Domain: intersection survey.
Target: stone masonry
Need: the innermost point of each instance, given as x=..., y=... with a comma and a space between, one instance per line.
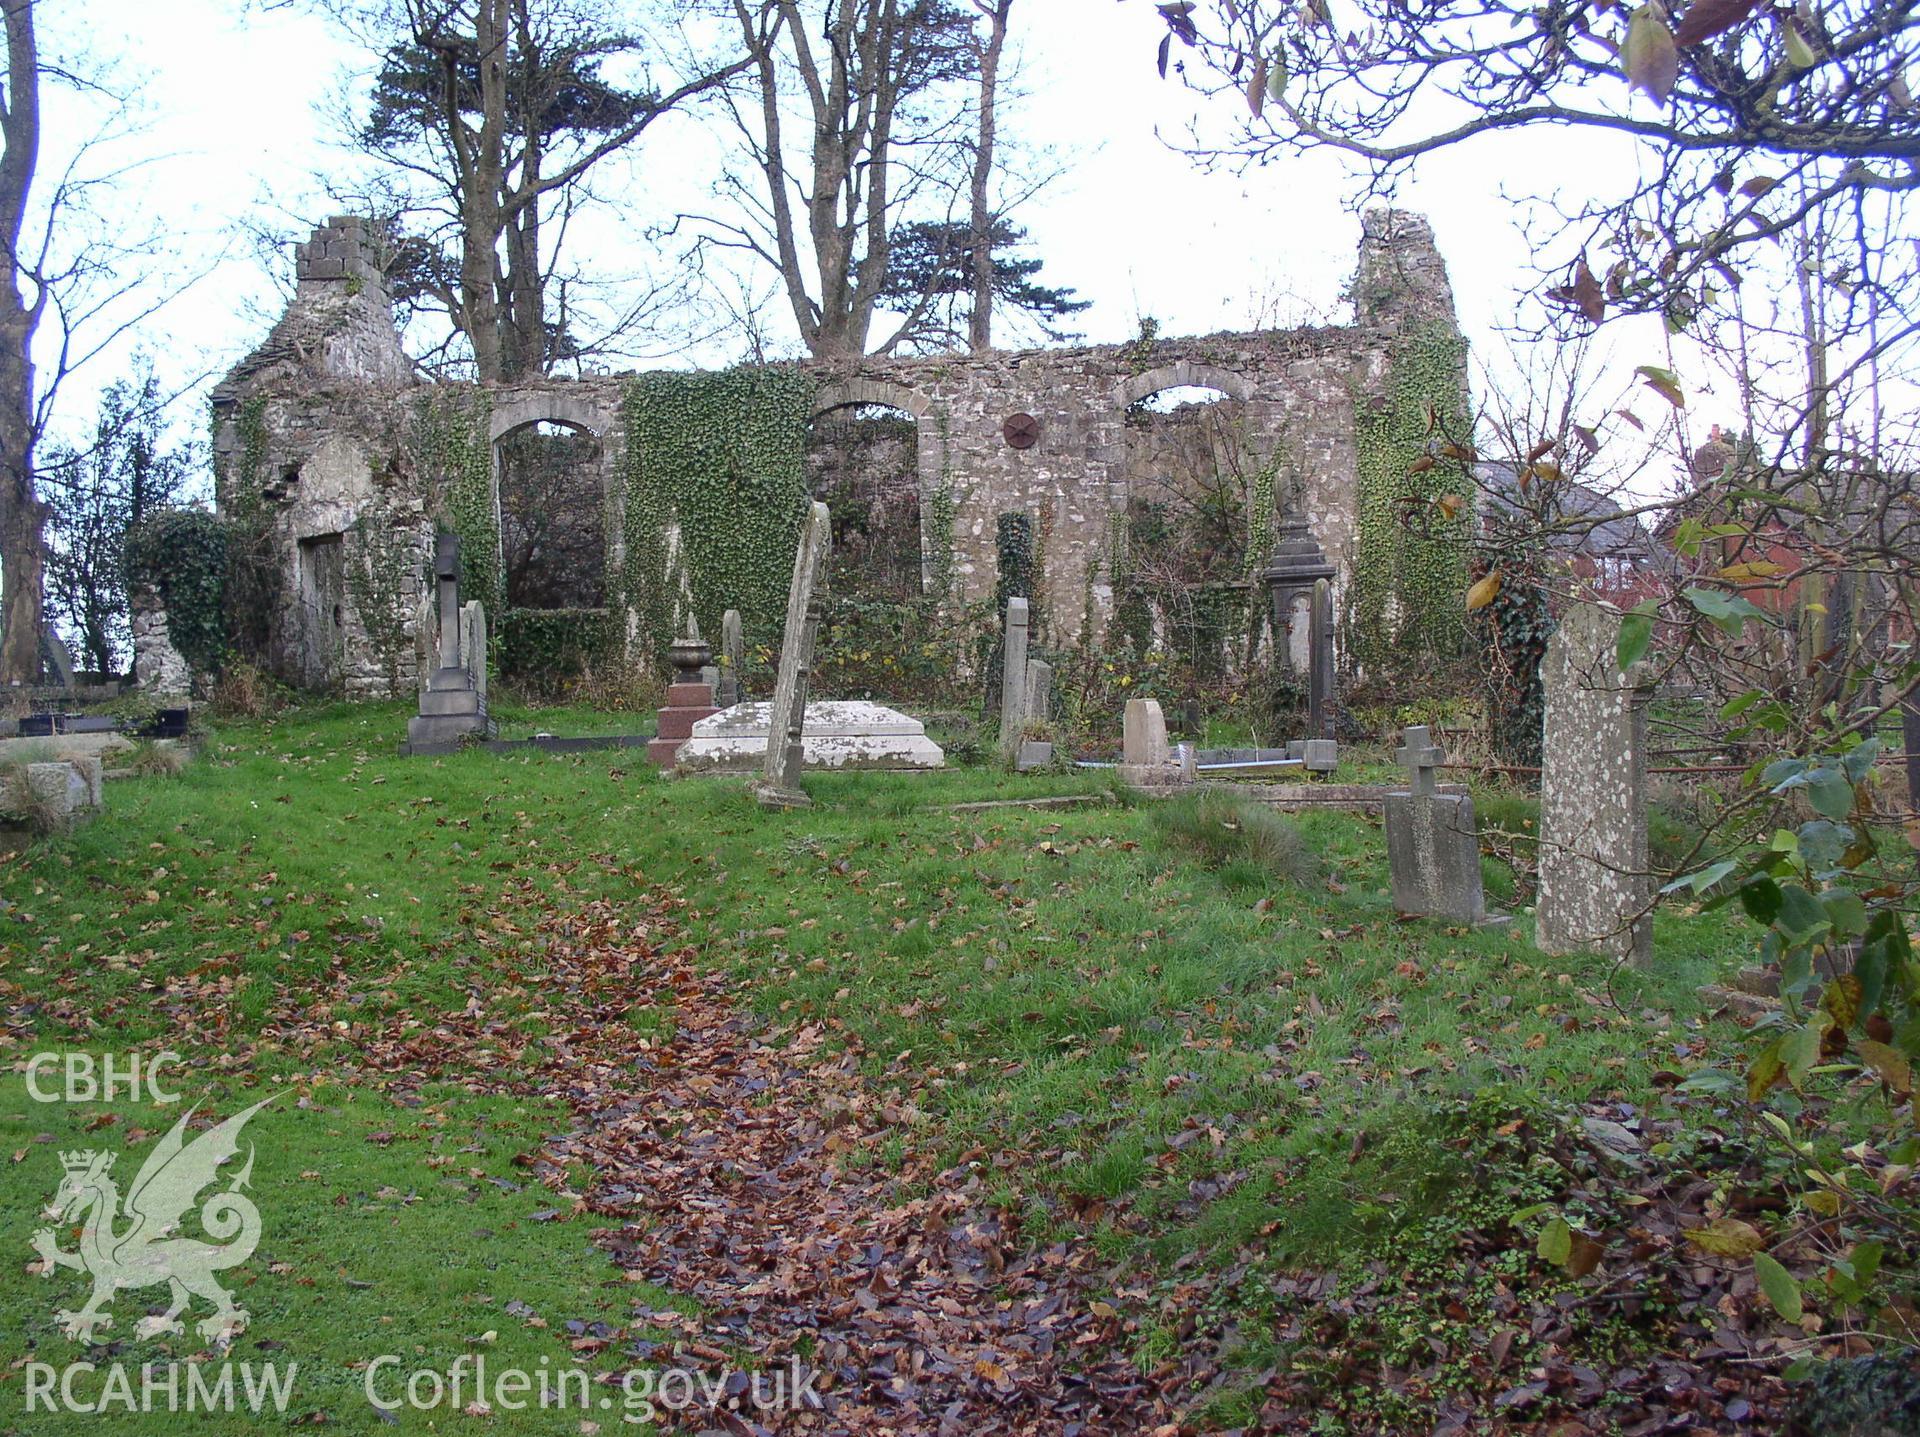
x=314, y=425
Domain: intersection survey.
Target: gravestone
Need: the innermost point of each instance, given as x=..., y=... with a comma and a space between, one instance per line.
x=1036, y=753
x=1320, y=755
x=1013, y=677
x=453, y=704
x=1433, y=845
x=1320, y=660
x=1039, y=691
x=473, y=646
x=1596, y=883
x=731, y=688
x=1146, y=758
x=839, y=734
x=786, y=754
x=689, y=697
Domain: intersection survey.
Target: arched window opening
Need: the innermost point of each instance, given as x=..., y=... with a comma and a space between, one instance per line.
x=1197, y=507
x=553, y=522
x=863, y=462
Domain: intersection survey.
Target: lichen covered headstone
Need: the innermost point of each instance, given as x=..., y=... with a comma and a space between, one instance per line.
x=1433, y=845
x=786, y=756
x=1596, y=882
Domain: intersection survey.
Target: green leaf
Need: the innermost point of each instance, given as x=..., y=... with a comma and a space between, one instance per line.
x=1802, y=916
x=1636, y=632
x=1830, y=794
x=1556, y=1242
x=1847, y=912
x=1778, y=1284
x=1858, y=764
x=1799, y=53
x=1761, y=898
x=1799, y=1051
x=1729, y=612
x=1663, y=382
x=1866, y=1260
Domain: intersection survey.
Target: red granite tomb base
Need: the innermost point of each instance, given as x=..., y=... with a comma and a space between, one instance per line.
x=687, y=704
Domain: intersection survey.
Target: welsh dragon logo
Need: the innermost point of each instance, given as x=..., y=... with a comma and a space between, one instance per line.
x=148, y=1250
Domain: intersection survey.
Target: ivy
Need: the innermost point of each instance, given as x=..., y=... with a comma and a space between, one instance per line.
x=450, y=445
x=1013, y=542
x=382, y=576
x=1408, y=576
x=180, y=556
x=541, y=649
x=1515, y=628
x=939, y=523
x=722, y=456
x=252, y=588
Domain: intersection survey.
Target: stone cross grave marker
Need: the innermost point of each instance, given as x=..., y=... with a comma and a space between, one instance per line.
x=1013, y=677
x=1433, y=845
x=780, y=778
x=453, y=704
x=1596, y=881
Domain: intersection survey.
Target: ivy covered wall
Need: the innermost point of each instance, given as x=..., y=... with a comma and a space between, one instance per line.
x=1409, y=565
x=450, y=449
x=708, y=469
x=719, y=458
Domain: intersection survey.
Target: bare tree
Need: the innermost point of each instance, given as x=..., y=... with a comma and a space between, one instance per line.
x=488, y=118
x=875, y=81
x=77, y=277
x=980, y=213
x=1753, y=116
x=23, y=515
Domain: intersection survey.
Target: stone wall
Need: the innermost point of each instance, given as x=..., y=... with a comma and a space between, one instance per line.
x=313, y=426
x=158, y=667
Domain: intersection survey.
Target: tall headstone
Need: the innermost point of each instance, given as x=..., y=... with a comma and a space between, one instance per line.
x=473, y=646
x=1596, y=881
x=1433, y=845
x=453, y=705
x=1320, y=662
x=1030, y=754
x=786, y=754
x=733, y=661
x=1013, y=677
x=1293, y=567
x=1039, y=691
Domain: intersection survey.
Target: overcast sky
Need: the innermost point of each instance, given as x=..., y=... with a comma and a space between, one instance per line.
x=234, y=128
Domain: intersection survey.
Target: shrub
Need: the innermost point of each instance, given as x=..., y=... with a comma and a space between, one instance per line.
x=180, y=556
x=547, y=652
x=244, y=691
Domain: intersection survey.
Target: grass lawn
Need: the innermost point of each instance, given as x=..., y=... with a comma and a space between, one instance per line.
x=1188, y=1062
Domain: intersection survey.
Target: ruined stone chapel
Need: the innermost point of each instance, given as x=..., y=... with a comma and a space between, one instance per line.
x=346, y=463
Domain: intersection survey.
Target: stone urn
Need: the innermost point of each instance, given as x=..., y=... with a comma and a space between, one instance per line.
x=688, y=656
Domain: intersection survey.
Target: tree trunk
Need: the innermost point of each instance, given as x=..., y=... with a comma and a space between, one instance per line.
x=980, y=321
x=23, y=518
x=479, y=162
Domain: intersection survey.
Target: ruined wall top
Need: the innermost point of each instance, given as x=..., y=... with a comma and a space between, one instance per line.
x=1402, y=282
x=343, y=249
x=339, y=326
